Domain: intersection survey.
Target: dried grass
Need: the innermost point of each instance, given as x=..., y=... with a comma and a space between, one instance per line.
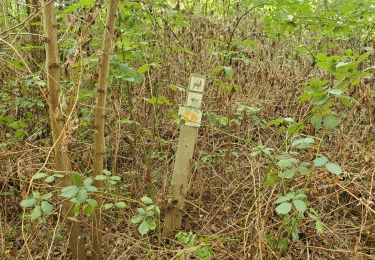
x=228, y=201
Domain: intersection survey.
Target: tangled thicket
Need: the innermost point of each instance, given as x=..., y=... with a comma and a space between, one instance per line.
x=229, y=201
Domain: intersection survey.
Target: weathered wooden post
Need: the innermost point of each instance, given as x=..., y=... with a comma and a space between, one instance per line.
x=182, y=167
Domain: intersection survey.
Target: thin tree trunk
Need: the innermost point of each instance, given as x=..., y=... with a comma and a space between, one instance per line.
x=36, y=54
x=35, y=39
x=62, y=159
x=98, y=157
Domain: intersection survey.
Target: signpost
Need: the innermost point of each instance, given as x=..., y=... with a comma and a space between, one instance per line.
x=192, y=116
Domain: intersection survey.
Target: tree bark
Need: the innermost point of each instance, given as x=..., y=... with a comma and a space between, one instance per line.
x=35, y=39
x=98, y=156
x=62, y=160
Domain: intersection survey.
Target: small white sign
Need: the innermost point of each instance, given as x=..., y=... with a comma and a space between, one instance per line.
x=192, y=116
x=197, y=83
x=194, y=99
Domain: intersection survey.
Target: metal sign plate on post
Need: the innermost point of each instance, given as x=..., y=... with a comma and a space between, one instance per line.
x=192, y=116
x=197, y=83
x=194, y=99
x=185, y=150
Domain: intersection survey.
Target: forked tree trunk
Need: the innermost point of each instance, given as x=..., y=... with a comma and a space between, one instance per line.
x=98, y=157
x=62, y=160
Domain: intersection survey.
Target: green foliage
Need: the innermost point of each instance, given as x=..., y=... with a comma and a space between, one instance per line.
x=107, y=176
x=39, y=206
x=312, y=30
x=285, y=203
x=261, y=149
x=214, y=119
x=323, y=94
x=79, y=194
x=198, y=247
x=147, y=216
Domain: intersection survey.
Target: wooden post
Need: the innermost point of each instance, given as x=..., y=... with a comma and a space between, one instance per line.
x=182, y=167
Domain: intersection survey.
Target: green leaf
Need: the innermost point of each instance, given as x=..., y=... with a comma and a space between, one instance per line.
x=146, y=200
x=288, y=173
x=271, y=179
x=76, y=210
x=282, y=199
x=295, y=127
x=299, y=196
x=143, y=228
x=18, y=125
x=100, y=177
x=106, y=172
x=36, y=195
x=346, y=101
x=302, y=168
x=108, y=206
x=39, y=175
x=77, y=179
x=284, y=208
x=19, y=133
x=150, y=208
x=89, y=209
x=70, y=191
x=334, y=168
x=285, y=163
x=91, y=188
x=319, y=226
x=229, y=72
x=303, y=142
x=144, y=68
x=320, y=161
x=115, y=178
x=149, y=213
x=36, y=213
x=137, y=219
x=223, y=120
x=47, y=196
x=364, y=56
x=82, y=195
x=27, y=203
x=300, y=205
x=87, y=182
x=50, y=179
x=331, y=122
x=92, y=202
x=86, y=3
x=120, y=204
x=317, y=122
x=46, y=207
x=336, y=91
x=151, y=223
x=212, y=118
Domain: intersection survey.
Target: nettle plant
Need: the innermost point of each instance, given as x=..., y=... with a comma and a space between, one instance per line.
x=81, y=194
